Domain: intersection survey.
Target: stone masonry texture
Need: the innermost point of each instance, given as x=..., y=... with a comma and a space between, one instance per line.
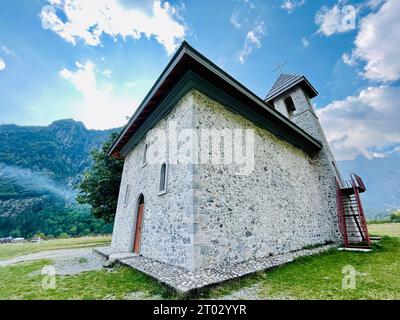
x=286, y=203
x=212, y=216
x=168, y=218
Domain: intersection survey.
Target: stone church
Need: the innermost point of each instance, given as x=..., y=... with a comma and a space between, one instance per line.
x=196, y=215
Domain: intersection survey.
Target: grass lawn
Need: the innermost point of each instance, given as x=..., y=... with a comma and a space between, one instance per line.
x=24, y=281
x=385, y=229
x=10, y=250
x=314, y=277
x=320, y=276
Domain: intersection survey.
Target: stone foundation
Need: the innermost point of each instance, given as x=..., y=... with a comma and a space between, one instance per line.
x=184, y=281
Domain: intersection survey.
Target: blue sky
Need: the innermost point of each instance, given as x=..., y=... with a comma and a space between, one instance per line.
x=95, y=60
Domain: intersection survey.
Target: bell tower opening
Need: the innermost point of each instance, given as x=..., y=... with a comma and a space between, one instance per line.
x=290, y=107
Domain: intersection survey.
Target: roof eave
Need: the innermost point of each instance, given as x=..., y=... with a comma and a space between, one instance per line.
x=184, y=49
x=266, y=104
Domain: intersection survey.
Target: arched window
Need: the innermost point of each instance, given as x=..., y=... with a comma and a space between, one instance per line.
x=163, y=179
x=126, y=197
x=144, y=162
x=290, y=105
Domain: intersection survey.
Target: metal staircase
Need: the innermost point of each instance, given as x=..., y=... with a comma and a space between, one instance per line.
x=352, y=222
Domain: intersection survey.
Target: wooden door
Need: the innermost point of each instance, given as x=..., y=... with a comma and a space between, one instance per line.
x=138, y=229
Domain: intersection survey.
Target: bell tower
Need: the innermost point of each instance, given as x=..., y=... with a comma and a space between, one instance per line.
x=291, y=96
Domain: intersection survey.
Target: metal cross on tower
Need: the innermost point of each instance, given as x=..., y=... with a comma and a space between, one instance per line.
x=279, y=67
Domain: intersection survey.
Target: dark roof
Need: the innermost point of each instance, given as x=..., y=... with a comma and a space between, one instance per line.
x=288, y=81
x=189, y=69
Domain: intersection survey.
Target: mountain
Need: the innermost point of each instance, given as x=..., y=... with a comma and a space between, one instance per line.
x=382, y=179
x=39, y=168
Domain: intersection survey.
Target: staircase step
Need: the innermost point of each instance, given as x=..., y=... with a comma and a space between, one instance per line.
x=351, y=215
x=359, y=249
x=358, y=245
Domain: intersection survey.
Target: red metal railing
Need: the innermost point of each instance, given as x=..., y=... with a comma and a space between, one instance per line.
x=358, y=183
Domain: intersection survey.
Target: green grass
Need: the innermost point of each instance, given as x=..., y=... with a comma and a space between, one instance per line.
x=10, y=250
x=320, y=276
x=24, y=281
x=386, y=229
x=313, y=277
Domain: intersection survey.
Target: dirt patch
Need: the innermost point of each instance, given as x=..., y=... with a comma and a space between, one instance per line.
x=65, y=261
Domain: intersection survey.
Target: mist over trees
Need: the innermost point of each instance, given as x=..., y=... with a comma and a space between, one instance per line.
x=40, y=168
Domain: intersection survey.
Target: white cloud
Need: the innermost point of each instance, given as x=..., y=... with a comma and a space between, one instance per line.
x=100, y=107
x=2, y=64
x=250, y=4
x=89, y=20
x=107, y=73
x=338, y=19
x=349, y=59
x=235, y=19
x=374, y=3
x=363, y=124
x=377, y=43
x=130, y=84
x=291, y=5
x=9, y=51
x=305, y=42
x=252, y=41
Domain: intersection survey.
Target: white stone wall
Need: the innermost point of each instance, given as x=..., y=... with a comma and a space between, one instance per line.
x=288, y=202
x=305, y=117
x=210, y=215
x=167, y=233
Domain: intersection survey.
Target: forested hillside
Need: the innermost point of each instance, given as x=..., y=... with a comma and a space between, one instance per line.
x=39, y=170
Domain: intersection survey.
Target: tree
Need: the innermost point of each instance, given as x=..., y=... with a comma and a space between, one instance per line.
x=395, y=216
x=100, y=185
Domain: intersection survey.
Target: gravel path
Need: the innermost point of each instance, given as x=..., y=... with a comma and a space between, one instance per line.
x=65, y=261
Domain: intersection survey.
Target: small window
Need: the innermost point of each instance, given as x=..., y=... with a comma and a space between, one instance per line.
x=163, y=179
x=144, y=162
x=126, y=198
x=290, y=105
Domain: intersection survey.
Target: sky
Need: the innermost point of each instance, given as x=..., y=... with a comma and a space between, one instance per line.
x=94, y=61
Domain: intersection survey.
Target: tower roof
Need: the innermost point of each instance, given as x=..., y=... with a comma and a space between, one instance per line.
x=288, y=81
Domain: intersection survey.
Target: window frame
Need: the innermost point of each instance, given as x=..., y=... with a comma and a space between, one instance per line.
x=144, y=158
x=164, y=190
x=126, y=196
